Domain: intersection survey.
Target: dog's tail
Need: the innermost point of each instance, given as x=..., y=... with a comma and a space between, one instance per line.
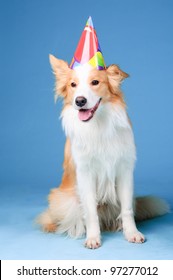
x=148, y=207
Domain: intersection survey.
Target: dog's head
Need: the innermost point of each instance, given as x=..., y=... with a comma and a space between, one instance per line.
x=86, y=88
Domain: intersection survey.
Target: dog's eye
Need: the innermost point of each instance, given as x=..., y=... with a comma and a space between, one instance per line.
x=95, y=82
x=73, y=84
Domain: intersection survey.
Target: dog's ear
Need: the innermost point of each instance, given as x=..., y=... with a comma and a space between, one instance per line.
x=59, y=66
x=61, y=71
x=115, y=76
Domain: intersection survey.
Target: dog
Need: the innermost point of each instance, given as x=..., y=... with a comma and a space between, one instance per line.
x=97, y=189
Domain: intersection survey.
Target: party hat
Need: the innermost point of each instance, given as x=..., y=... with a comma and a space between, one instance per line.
x=88, y=49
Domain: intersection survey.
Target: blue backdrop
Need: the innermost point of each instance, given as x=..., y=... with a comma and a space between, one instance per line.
x=136, y=35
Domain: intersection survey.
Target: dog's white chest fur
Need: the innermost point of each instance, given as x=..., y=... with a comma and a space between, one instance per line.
x=100, y=146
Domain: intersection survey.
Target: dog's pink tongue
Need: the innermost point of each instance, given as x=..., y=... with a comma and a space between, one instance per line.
x=85, y=115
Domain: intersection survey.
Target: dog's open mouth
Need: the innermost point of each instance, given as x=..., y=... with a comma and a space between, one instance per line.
x=87, y=114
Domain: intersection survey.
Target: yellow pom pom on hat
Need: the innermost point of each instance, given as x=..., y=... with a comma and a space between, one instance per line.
x=88, y=49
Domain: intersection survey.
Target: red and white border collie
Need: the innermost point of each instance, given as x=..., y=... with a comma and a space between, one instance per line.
x=96, y=192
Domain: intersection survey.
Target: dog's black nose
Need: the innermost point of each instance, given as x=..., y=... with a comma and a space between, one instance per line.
x=80, y=101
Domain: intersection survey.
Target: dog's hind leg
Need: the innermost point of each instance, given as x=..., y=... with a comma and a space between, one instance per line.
x=64, y=214
x=46, y=222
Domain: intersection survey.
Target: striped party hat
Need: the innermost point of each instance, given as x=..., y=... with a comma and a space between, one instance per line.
x=88, y=49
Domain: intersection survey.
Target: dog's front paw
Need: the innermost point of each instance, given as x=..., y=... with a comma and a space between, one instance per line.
x=93, y=243
x=134, y=236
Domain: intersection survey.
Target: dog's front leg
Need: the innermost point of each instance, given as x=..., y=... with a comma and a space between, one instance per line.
x=87, y=193
x=125, y=194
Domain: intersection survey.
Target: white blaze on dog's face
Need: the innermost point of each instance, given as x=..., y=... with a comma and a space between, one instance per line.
x=85, y=88
x=85, y=99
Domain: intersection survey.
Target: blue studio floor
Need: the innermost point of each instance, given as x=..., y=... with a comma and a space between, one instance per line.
x=20, y=239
